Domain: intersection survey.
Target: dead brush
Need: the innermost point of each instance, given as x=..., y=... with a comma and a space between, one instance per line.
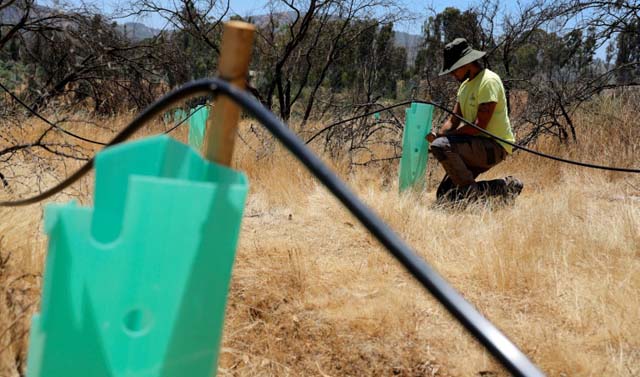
x=313, y=294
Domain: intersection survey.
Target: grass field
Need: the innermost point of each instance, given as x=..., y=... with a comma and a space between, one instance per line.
x=313, y=294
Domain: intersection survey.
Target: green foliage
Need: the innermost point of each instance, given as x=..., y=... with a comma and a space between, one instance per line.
x=558, y=57
x=200, y=58
x=12, y=73
x=628, y=56
x=441, y=29
x=372, y=66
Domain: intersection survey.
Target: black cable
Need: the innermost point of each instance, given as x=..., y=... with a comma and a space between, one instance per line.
x=487, y=334
x=327, y=128
x=84, y=169
x=180, y=122
x=32, y=111
x=518, y=146
x=155, y=109
x=532, y=151
x=484, y=331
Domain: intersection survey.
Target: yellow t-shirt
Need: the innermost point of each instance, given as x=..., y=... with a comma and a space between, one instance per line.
x=487, y=87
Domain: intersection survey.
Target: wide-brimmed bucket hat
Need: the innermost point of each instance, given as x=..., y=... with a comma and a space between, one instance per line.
x=458, y=53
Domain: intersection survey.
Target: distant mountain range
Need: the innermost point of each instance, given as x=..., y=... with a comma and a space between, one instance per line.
x=13, y=14
x=411, y=42
x=137, y=31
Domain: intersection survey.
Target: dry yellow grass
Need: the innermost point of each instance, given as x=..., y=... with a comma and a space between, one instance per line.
x=313, y=294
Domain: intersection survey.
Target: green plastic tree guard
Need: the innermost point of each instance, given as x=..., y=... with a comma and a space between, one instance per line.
x=137, y=286
x=197, y=126
x=173, y=116
x=415, y=148
x=179, y=115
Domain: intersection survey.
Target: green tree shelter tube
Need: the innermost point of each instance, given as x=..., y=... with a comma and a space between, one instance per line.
x=415, y=148
x=137, y=285
x=197, y=126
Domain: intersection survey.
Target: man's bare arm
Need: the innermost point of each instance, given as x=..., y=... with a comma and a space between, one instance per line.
x=449, y=126
x=485, y=112
x=452, y=122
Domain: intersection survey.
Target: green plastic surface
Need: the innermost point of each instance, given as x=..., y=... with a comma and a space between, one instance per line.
x=174, y=116
x=197, y=125
x=179, y=115
x=415, y=148
x=137, y=286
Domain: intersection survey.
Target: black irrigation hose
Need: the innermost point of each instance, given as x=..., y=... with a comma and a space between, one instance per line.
x=551, y=157
x=327, y=128
x=487, y=334
x=179, y=123
x=32, y=111
x=197, y=87
x=518, y=146
x=47, y=121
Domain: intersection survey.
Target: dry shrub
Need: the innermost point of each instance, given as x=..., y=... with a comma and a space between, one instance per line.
x=313, y=294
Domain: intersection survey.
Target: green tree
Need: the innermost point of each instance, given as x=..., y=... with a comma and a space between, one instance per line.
x=437, y=31
x=628, y=53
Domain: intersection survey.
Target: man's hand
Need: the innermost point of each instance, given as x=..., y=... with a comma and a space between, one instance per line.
x=451, y=124
x=431, y=136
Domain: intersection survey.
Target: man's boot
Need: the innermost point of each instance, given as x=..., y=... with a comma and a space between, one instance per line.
x=513, y=188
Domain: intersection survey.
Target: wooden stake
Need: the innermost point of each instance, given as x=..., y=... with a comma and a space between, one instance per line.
x=233, y=66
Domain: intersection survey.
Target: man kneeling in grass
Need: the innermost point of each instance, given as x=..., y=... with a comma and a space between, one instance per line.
x=463, y=151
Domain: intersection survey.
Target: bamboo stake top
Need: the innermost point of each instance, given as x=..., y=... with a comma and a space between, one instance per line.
x=240, y=25
x=233, y=66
